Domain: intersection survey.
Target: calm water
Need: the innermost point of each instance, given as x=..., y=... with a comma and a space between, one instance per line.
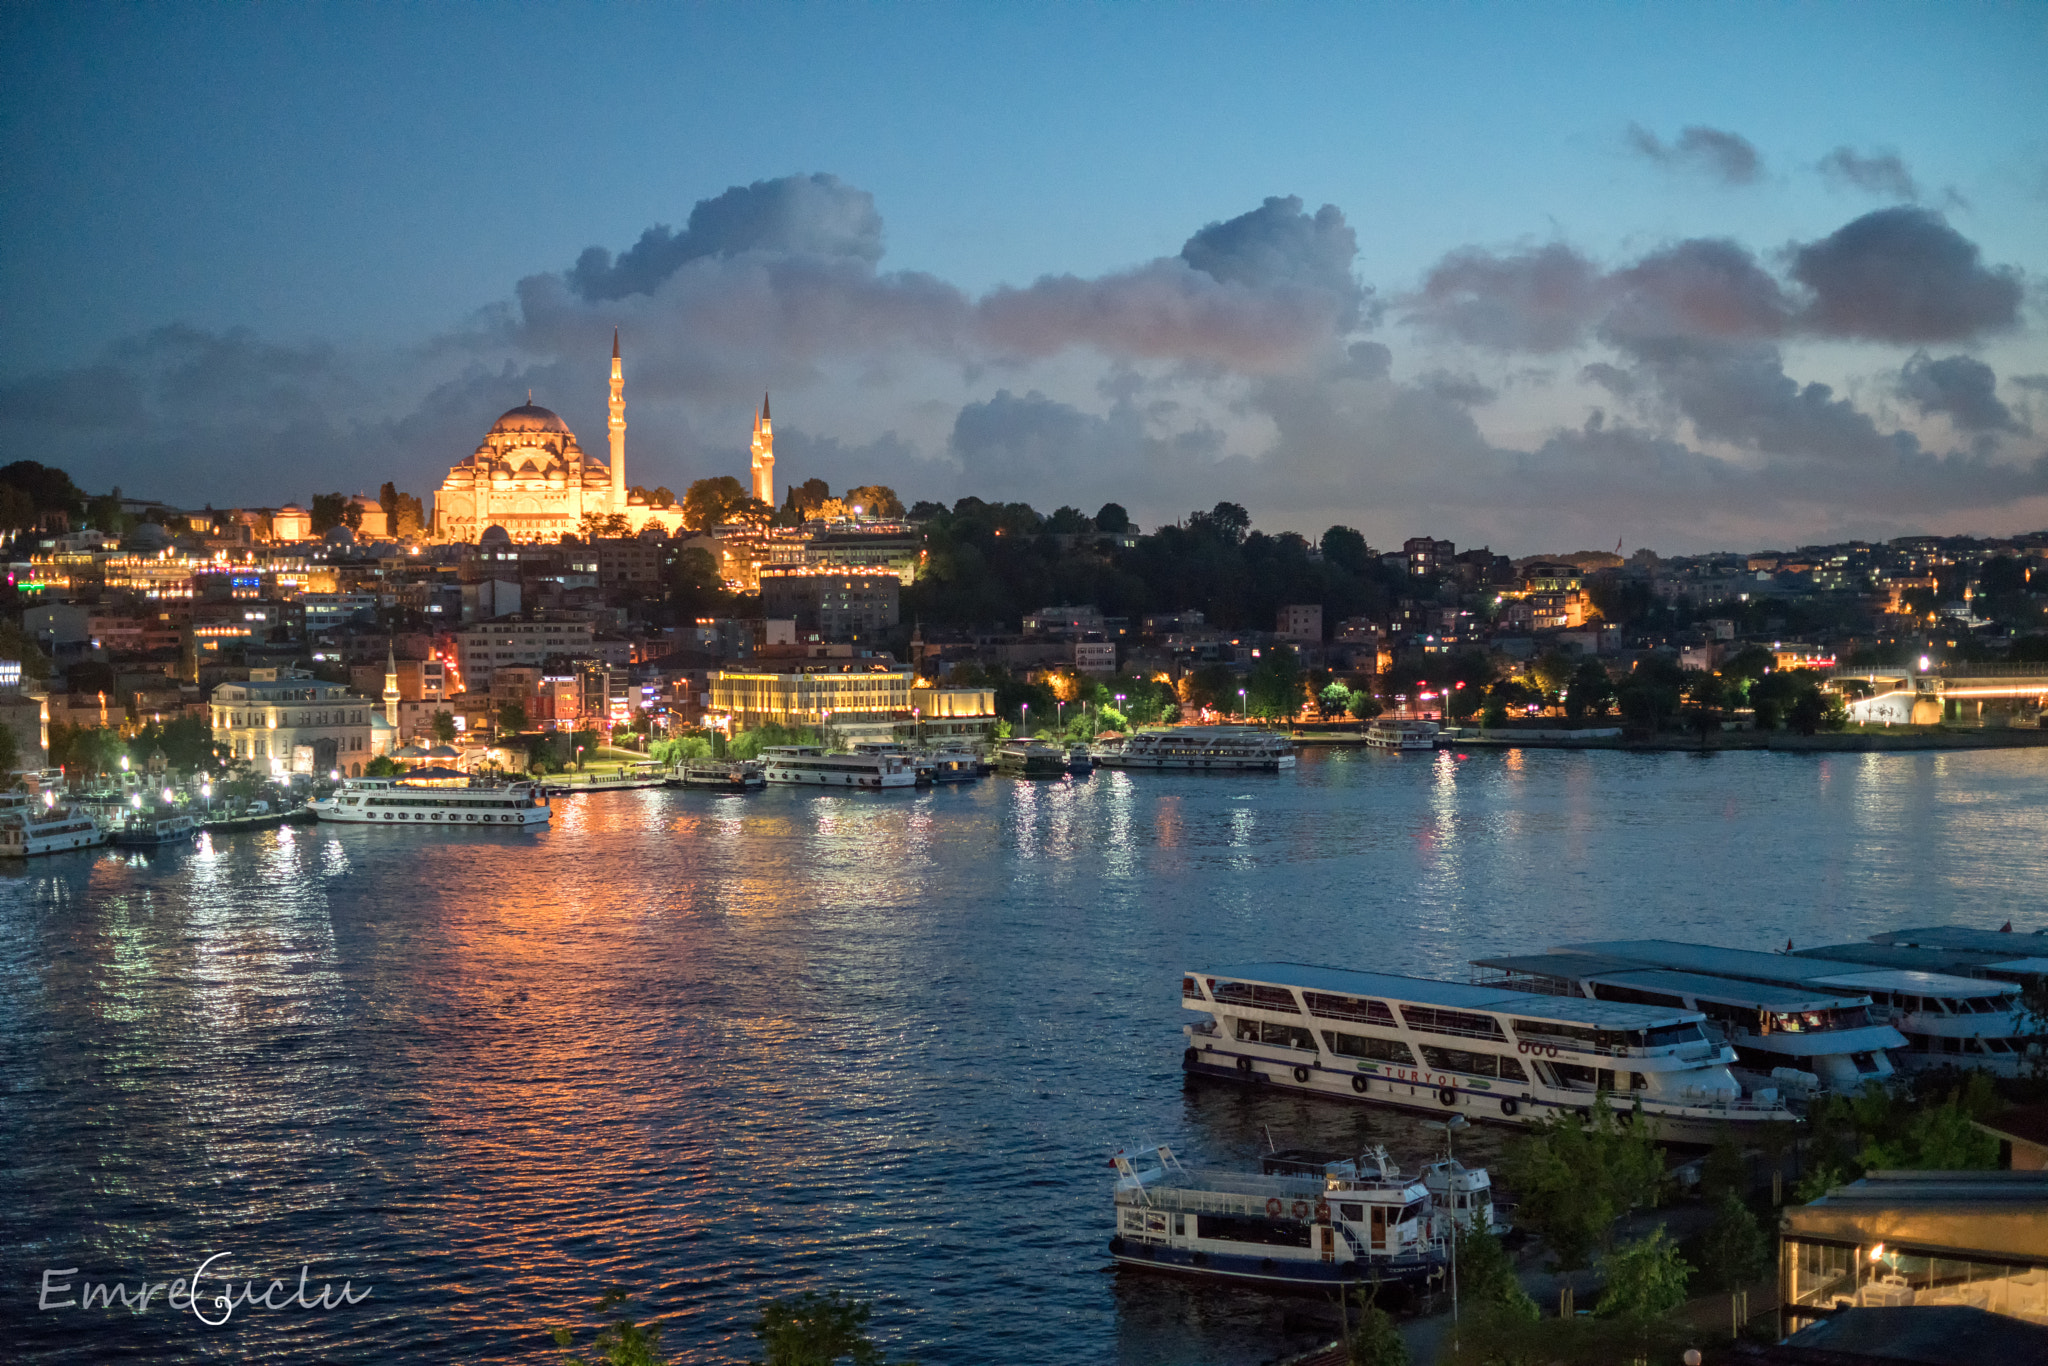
x=720, y=1048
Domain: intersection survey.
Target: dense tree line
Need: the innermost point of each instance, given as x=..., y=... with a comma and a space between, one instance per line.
x=990, y=563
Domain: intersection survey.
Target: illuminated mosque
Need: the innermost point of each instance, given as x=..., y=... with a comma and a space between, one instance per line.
x=531, y=478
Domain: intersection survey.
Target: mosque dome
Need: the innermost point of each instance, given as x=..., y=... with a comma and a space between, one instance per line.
x=530, y=417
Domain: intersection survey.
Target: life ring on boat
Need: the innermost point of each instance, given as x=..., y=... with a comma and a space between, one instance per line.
x=1322, y=1211
x=1446, y=1096
x=1200, y=1259
x=1244, y=1064
x=1116, y=1245
x=1273, y=1208
x=1190, y=1057
x=1301, y=1075
x=1360, y=1085
x=1301, y=1209
x=1507, y=1105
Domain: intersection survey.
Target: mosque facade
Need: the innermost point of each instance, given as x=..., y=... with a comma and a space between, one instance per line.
x=531, y=478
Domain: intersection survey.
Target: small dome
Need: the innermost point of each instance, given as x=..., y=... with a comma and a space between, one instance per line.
x=339, y=535
x=495, y=535
x=529, y=417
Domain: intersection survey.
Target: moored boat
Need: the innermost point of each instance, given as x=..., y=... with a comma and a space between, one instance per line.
x=1451, y=1048
x=811, y=766
x=154, y=828
x=724, y=775
x=29, y=826
x=1295, y=1224
x=1201, y=749
x=950, y=766
x=382, y=801
x=1030, y=759
x=1398, y=733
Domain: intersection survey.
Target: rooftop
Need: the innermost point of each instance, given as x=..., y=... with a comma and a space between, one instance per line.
x=1622, y=972
x=1782, y=968
x=1455, y=995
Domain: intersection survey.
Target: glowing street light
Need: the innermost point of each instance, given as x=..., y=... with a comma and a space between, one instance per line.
x=1240, y=704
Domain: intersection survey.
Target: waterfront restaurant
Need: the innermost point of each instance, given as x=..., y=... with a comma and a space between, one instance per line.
x=842, y=697
x=1896, y=1238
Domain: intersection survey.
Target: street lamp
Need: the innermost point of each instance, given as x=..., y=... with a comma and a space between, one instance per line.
x=1240, y=704
x=1025, y=710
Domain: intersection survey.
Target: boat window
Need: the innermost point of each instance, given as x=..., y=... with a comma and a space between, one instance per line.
x=1463, y=1023
x=1865, y=1062
x=1267, y=1232
x=1553, y=1031
x=1349, y=1008
x=1638, y=1082
x=1605, y=991
x=1461, y=1060
x=1359, y=1046
x=1575, y=1076
x=1351, y=1214
x=1415, y=1211
x=1266, y=998
x=1663, y=1036
x=1188, y=987
x=1287, y=1036
x=1511, y=1070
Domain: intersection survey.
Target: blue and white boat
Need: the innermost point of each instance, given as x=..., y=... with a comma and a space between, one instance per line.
x=1298, y=1223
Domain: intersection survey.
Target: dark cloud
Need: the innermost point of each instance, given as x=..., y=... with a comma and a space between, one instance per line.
x=1612, y=378
x=1256, y=293
x=1463, y=390
x=1961, y=388
x=2038, y=383
x=1540, y=300
x=1727, y=157
x=1739, y=393
x=1363, y=360
x=1704, y=287
x=814, y=215
x=1904, y=275
x=1881, y=173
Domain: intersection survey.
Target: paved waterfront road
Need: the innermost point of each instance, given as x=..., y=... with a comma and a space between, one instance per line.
x=718, y=1048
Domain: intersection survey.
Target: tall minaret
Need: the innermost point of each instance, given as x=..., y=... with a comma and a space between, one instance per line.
x=618, y=429
x=764, y=456
x=391, y=687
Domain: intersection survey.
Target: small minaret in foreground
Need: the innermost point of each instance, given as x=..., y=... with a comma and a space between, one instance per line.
x=391, y=685
x=618, y=429
x=764, y=455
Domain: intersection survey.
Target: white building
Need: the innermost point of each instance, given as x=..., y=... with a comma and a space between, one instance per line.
x=284, y=721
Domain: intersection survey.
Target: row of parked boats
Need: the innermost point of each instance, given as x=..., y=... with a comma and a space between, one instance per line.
x=1694, y=1040
x=34, y=823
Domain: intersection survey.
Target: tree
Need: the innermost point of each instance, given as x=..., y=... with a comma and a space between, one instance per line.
x=1590, y=692
x=1645, y=1279
x=620, y=1342
x=40, y=491
x=1226, y=522
x=1486, y=1275
x=18, y=644
x=1733, y=1250
x=1274, y=690
x=329, y=511
x=1577, y=1175
x=694, y=585
x=511, y=718
x=1377, y=1340
x=10, y=752
x=1650, y=696
x=711, y=502
x=1345, y=548
x=1364, y=706
x=1113, y=520
x=1334, y=699
x=403, y=514
x=1553, y=672
x=817, y=1329
x=1460, y=701
x=443, y=724
x=383, y=766
x=874, y=500
x=1213, y=686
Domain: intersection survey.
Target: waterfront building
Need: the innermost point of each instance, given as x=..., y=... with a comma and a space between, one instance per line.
x=843, y=697
x=1969, y=1239
x=286, y=721
x=952, y=716
x=530, y=477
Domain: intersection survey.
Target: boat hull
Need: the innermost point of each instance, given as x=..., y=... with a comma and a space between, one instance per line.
x=1273, y=1273
x=53, y=844
x=523, y=819
x=1206, y=764
x=1700, y=1125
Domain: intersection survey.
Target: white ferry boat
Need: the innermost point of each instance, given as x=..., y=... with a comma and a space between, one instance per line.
x=726, y=775
x=1800, y=1039
x=154, y=829
x=1948, y=1021
x=1395, y=733
x=1203, y=749
x=31, y=826
x=1294, y=1224
x=374, y=801
x=811, y=766
x=1448, y=1047
x=950, y=766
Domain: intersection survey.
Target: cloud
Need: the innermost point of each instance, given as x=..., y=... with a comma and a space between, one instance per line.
x=1881, y=173
x=815, y=215
x=1703, y=287
x=1904, y=275
x=1961, y=388
x=1539, y=300
x=1727, y=157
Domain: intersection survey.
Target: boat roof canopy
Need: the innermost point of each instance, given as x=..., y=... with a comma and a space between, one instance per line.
x=1782, y=967
x=2005, y=943
x=1699, y=986
x=1958, y=962
x=1426, y=991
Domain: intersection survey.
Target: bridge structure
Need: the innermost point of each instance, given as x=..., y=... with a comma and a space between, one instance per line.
x=1983, y=694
